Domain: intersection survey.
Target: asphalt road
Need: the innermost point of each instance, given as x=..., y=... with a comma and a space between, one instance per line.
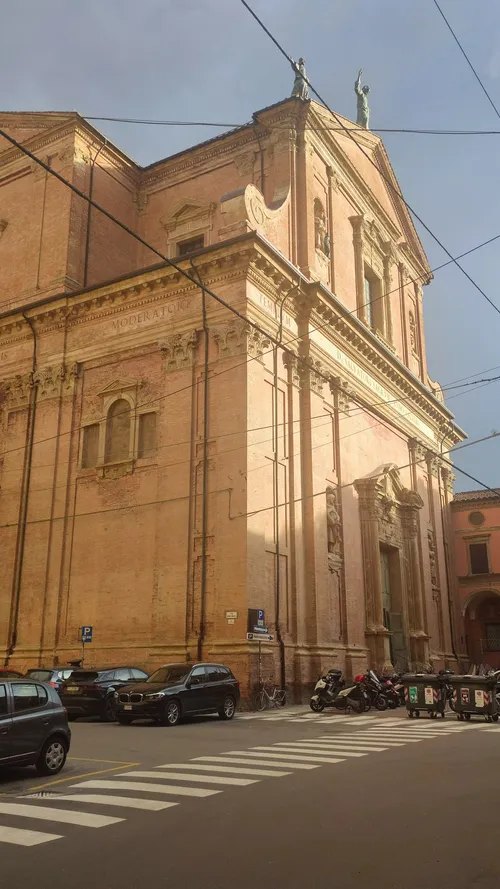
x=372, y=803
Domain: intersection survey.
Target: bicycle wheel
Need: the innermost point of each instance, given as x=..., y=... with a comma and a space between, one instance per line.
x=280, y=697
x=260, y=701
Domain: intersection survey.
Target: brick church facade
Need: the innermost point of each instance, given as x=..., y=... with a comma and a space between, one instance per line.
x=165, y=465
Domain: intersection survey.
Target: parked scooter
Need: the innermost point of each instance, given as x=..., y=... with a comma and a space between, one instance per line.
x=374, y=689
x=331, y=691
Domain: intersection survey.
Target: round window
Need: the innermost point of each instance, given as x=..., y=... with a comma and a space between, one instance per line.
x=476, y=518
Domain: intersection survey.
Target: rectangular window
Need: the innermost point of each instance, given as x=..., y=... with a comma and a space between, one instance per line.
x=374, y=303
x=147, y=435
x=492, y=637
x=190, y=246
x=90, y=448
x=3, y=700
x=478, y=554
x=25, y=697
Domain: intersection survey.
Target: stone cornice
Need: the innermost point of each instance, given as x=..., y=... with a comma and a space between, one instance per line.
x=249, y=256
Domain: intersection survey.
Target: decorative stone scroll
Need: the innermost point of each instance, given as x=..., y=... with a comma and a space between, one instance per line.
x=238, y=337
x=179, y=350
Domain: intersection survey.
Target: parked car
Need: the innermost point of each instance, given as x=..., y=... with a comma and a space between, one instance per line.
x=33, y=726
x=10, y=674
x=91, y=692
x=55, y=676
x=178, y=690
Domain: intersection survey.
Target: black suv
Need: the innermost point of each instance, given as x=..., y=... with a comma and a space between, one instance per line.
x=91, y=692
x=177, y=690
x=33, y=726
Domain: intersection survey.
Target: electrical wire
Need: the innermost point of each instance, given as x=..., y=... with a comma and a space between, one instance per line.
x=389, y=182
x=169, y=261
x=315, y=128
x=466, y=57
x=321, y=493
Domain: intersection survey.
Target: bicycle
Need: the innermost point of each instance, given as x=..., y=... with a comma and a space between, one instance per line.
x=264, y=698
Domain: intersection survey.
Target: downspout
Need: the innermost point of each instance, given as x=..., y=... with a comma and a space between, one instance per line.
x=204, y=513
x=89, y=215
x=23, y=508
x=279, y=636
x=444, y=503
x=261, y=154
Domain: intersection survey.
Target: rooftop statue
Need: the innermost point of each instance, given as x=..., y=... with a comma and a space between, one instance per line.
x=363, y=116
x=300, y=88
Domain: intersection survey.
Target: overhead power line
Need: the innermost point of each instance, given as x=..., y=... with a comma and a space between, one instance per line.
x=237, y=126
x=388, y=181
x=196, y=281
x=466, y=57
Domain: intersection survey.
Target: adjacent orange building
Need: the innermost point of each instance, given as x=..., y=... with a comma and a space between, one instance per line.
x=475, y=517
x=170, y=460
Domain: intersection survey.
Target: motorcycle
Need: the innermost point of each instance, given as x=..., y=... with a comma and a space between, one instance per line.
x=391, y=692
x=330, y=691
x=374, y=689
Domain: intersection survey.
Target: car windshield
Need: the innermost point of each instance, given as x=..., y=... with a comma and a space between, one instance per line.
x=41, y=675
x=171, y=673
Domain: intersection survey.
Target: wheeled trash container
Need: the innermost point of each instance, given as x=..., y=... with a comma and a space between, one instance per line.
x=475, y=694
x=424, y=693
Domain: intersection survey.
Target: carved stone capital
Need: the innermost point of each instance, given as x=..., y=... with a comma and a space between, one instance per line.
x=179, y=350
x=448, y=477
x=17, y=391
x=291, y=363
x=312, y=376
x=238, y=337
x=245, y=163
x=341, y=393
x=55, y=381
x=140, y=199
x=419, y=451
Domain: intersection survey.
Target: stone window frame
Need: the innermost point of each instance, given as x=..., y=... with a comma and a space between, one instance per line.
x=373, y=254
x=478, y=538
x=188, y=220
x=117, y=392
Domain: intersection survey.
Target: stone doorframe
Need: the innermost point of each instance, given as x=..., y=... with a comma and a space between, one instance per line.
x=389, y=515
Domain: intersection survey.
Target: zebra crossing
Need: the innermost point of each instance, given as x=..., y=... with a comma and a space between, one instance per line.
x=167, y=786
x=296, y=716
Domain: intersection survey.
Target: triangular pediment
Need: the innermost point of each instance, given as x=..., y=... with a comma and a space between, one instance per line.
x=120, y=385
x=186, y=210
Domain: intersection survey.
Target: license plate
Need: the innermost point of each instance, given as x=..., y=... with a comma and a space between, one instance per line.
x=127, y=707
x=72, y=689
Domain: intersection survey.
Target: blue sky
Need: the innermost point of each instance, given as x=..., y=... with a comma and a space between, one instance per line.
x=208, y=60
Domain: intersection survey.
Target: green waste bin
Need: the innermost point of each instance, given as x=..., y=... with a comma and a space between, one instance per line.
x=424, y=692
x=475, y=695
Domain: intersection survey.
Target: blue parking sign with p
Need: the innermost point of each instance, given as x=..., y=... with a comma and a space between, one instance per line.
x=86, y=634
x=260, y=617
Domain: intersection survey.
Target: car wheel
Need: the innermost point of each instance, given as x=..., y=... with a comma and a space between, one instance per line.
x=109, y=713
x=52, y=757
x=228, y=708
x=124, y=720
x=171, y=713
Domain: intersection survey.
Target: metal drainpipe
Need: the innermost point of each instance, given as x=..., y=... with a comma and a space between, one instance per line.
x=89, y=215
x=446, y=563
x=204, y=514
x=23, y=509
x=261, y=153
x=279, y=636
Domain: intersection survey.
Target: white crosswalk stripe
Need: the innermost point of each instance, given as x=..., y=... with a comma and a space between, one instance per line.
x=126, y=802
x=357, y=747
x=19, y=837
x=47, y=813
x=362, y=738
x=202, y=779
x=167, y=789
x=245, y=759
x=234, y=770
x=286, y=753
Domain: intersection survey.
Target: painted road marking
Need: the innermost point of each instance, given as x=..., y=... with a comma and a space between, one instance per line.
x=47, y=813
x=369, y=741
x=336, y=746
x=265, y=773
x=239, y=758
x=285, y=753
x=203, y=779
x=19, y=837
x=126, y=802
x=148, y=788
